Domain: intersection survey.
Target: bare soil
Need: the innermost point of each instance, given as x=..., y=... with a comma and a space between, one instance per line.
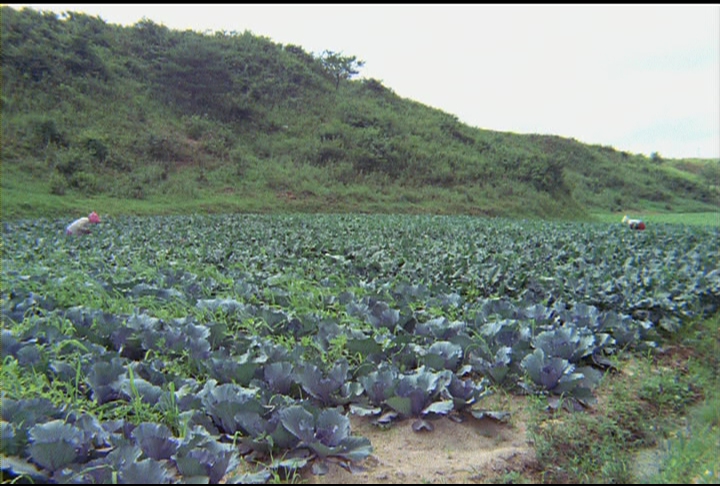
x=471, y=451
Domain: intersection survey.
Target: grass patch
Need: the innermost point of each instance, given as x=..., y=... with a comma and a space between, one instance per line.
x=707, y=218
x=668, y=401
x=690, y=454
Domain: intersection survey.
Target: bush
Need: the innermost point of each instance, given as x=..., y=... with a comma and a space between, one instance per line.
x=196, y=126
x=375, y=85
x=72, y=160
x=216, y=144
x=46, y=132
x=96, y=148
x=58, y=184
x=86, y=182
x=182, y=188
x=711, y=174
x=162, y=148
x=242, y=160
x=126, y=187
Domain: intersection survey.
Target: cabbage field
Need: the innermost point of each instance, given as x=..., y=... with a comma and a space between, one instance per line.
x=180, y=348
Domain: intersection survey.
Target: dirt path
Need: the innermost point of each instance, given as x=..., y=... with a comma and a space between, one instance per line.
x=452, y=453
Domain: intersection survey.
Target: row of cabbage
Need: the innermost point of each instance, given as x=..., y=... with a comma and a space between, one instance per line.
x=281, y=325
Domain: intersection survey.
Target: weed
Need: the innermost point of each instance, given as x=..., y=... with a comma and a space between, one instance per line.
x=281, y=474
x=579, y=446
x=169, y=409
x=667, y=391
x=709, y=412
x=691, y=455
x=511, y=477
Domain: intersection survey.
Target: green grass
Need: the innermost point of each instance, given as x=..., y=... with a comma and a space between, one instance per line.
x=24, y=196
x=691, y=454
x=700, y=218
x=654, y=404
x=587, y=447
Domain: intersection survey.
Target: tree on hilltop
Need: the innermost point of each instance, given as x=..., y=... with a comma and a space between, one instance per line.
x=339, y=66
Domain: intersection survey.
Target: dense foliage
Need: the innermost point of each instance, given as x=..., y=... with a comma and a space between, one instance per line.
x=144, y=112
x=183, y=347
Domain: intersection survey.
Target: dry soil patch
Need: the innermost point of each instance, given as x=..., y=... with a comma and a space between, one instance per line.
x=452, y=453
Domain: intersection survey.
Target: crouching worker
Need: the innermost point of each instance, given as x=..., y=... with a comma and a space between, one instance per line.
x=635, y=224
x=81, y=226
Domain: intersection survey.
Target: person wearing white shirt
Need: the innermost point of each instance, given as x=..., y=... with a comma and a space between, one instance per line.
x=633, y=223
x=81, y=225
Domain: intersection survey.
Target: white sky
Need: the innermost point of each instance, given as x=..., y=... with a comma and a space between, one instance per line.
x=640, y=78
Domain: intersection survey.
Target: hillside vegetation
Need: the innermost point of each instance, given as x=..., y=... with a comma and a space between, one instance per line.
x=146, y=119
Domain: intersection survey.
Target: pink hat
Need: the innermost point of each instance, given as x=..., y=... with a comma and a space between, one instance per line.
x=94, y=218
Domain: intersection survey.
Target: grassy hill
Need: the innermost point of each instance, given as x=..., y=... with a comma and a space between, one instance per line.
x=148, y=120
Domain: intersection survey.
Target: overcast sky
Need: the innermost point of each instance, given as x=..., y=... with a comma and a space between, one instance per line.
x=640, y=78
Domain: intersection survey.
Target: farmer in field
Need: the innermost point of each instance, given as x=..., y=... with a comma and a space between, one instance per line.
x=635, y=224
x=81, y=225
